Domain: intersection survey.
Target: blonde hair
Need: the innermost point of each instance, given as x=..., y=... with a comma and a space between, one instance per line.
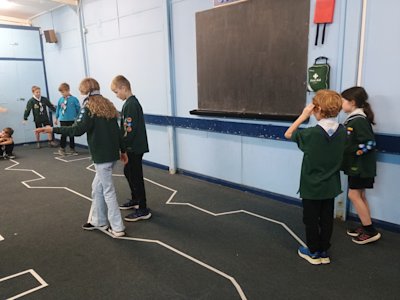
x=63, y=87
x=34, y=88
x=97, y=104
x=329, y=101
x=119, y=81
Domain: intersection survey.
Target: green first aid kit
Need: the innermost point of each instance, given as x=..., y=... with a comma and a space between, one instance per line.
x=318, y=75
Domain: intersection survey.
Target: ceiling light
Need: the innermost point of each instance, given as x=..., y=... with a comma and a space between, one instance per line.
x=6, y=4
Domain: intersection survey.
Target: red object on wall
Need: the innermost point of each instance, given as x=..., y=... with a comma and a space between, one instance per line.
x=324, y=11
x=323, y=14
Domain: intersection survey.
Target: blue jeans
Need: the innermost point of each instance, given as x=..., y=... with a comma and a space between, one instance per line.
x=104, y=204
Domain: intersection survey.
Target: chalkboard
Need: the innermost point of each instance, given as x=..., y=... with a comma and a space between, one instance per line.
x=252, y=59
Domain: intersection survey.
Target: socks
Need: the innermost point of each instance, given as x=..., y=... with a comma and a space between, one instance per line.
x=369, y=228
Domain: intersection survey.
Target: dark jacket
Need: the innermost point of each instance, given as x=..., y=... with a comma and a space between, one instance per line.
x=39, y=109
x=133, y=127
x=103, y=135
x=360, y=152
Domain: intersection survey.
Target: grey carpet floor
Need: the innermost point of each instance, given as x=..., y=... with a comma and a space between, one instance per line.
x=204, y=241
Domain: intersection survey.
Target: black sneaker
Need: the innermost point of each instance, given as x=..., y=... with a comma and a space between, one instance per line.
x=138, y=214
x=355, y=232
x=130, y=205
x=89, y=226
x=366, y=237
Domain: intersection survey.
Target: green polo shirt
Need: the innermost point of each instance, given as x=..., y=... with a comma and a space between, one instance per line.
x=359, y=133
x=103, y=135
x=320, y=170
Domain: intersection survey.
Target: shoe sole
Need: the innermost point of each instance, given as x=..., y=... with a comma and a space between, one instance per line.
x=325, y=260
x=58, y=153
x=95, y=227
x=370, y=240
x=309, y=259
x=129, y=207
x=352, y=234
x=138, y=218
x=116, y=233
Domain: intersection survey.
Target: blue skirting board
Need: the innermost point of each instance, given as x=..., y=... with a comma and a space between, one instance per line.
x=385, y=143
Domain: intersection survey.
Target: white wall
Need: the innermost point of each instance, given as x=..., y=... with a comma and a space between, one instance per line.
x=64, y=59
x=131, y=38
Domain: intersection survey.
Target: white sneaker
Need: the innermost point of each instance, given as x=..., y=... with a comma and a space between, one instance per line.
x=116, y=233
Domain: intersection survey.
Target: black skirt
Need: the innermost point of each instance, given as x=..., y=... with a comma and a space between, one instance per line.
x=359, y=183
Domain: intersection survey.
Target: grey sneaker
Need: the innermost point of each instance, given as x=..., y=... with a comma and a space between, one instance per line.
x=72, y=152
x=53, y=144
x=38, y=145
x=61, y=152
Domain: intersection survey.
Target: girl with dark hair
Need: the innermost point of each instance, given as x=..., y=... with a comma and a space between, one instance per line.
x=359, y=161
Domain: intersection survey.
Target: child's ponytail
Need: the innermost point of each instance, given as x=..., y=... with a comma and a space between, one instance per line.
x=368, y=111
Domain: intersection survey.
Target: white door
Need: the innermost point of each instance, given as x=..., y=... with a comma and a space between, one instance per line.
x=21, y=67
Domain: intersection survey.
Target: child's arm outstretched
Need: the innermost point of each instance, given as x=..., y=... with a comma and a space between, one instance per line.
x=6, y=141
x=307, y=112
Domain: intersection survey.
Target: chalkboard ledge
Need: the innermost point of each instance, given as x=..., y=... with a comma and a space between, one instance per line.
x=243, y=115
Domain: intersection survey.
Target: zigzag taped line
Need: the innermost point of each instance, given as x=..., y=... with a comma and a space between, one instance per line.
x=191, y=258
x=169, y=201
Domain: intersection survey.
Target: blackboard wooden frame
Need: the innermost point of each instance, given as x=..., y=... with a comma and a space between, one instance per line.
x=252, y=59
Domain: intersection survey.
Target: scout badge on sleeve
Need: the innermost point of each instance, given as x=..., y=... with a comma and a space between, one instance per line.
x=323, y=15
x=318, y=75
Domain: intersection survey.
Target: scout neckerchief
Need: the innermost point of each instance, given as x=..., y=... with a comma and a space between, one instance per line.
x=369, y=145
x=41, y=108
x=330, y=125
x=64, y=105
x=92, y=93
x=358, y=112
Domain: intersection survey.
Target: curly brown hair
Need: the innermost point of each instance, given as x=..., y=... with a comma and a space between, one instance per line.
x=97, y=104
x=329, y=101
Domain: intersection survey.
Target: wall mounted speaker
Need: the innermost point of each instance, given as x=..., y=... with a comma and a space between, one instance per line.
x=50, y=36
